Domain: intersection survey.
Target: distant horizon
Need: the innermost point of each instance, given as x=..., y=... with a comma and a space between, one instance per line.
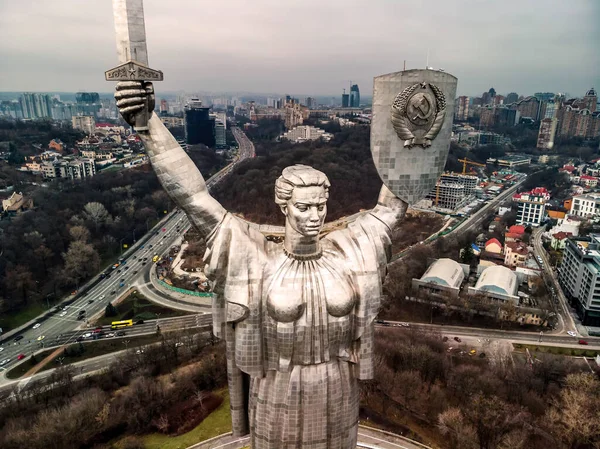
x=271, y=94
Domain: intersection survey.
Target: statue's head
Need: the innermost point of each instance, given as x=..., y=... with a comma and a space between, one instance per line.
x=301, y=192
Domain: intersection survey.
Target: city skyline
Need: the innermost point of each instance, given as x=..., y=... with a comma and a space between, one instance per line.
x=511, y=46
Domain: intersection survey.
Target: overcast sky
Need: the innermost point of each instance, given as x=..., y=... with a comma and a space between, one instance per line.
x=312, y=47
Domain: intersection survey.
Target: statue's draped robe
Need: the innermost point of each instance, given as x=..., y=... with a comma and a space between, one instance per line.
x=305, y=332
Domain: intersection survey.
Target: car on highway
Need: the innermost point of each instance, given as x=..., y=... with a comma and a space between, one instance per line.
x=572, y=333
x=118, y=271
x=445, y=339
x=90, y=301
x=18, y=337
x=120, y=334
x=63, y=313
x=472, y=352
x=457, y=339
x=87, y=335
x=36, y=325
x=127, y=267
x=41, y=337
x=583, y=342
x=134, y=271
x=110, y=335
x=1, y=349
x=114, y=292
x=102, y=296
x=20, y=356
x=4, y=362
x=80, y=338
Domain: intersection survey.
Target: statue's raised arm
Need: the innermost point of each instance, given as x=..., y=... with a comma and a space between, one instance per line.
x=176, y=172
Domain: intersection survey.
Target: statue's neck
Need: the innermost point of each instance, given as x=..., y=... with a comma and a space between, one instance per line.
x=300, y=245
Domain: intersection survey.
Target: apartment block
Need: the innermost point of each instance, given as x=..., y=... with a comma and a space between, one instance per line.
x=579, y=276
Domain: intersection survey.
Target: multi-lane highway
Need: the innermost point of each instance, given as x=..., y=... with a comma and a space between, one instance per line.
x=61, y=326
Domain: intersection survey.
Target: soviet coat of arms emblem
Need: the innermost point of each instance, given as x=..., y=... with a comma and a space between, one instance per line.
x=418, y=114
x=412, y=108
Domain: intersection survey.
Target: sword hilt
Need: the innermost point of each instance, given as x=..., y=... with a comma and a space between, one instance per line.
x=134, y=71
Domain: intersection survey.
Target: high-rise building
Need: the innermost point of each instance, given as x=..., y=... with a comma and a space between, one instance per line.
x=546, y=133
x=531, y=206
x=511, y=98
x=579, y=276
x=36, y=105
x=579, y=118
x=354, y=96
x=345, y=99
x=85, y=123
x=220, y=130
x=87, y=97
x=528, y=107
x=199, y=126
x=164, y=107
x=310, y=102
x=544, y=96
x=462, y=108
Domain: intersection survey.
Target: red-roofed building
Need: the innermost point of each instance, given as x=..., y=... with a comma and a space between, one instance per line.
x=588, y=181
x=559, y=240
x=515, y=254
x=512, y=237
x=493, y=246
x=517, y=229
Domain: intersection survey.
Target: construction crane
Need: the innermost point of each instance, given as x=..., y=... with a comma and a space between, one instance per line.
x=466, y=162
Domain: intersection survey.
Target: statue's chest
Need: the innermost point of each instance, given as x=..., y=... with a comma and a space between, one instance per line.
x=310, y=291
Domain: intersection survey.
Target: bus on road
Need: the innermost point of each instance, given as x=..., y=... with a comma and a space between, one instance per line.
x=120, y=324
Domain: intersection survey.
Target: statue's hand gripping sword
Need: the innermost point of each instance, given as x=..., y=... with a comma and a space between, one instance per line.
x=132, y=52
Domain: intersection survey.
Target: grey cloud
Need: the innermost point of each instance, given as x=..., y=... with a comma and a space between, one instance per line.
x=307, y=46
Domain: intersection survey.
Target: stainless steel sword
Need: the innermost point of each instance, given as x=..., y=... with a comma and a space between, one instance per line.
x=132, y=52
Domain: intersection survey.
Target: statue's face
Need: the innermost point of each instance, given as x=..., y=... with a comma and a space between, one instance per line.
x=306, y=210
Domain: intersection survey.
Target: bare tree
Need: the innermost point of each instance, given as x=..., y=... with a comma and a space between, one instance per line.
x=79, y=234
x=461, y=433
x=574, y=417
x=97, y=213
x=81, y=261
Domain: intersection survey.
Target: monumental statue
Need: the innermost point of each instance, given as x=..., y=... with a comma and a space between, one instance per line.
x=297, y=317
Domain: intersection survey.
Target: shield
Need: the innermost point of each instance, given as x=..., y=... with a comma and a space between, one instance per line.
x=411, y=128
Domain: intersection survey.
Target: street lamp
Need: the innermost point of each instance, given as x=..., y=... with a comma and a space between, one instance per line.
x=126, y=342
x=121, y=244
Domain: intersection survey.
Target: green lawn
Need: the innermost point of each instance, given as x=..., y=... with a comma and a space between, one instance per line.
x=574, y=352
x=217, y=423
x=23, y=367
x=11, y=321
x=136, y=307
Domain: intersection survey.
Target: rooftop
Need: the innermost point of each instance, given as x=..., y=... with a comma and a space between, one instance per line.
x=498, y=279
x=445, y=272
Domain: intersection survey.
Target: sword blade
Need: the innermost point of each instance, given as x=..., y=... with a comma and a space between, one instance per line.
x=131, y=31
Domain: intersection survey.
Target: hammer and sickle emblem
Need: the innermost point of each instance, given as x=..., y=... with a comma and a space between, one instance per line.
x=422, y=108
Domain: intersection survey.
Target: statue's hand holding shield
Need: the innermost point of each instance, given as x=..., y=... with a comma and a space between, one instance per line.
x=411, y=128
